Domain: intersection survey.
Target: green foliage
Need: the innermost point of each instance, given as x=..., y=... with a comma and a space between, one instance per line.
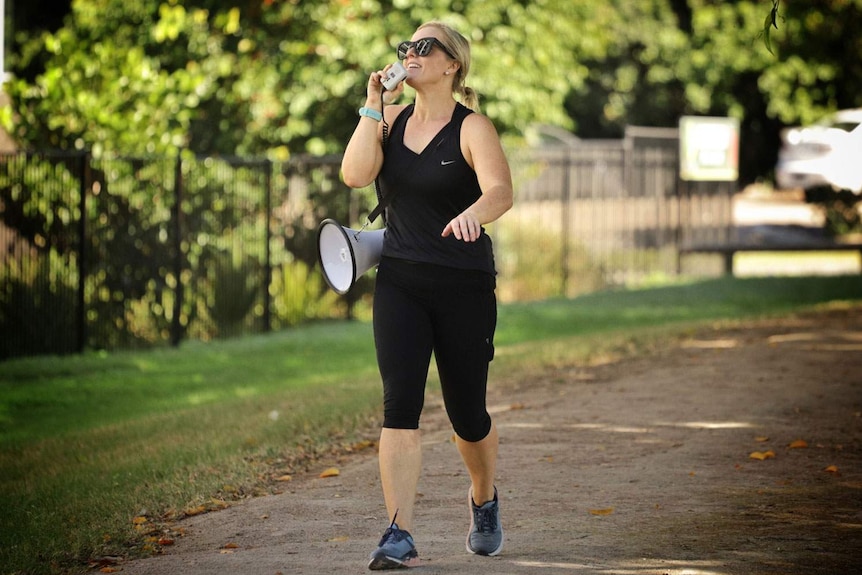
x=37, y=308
x=842, y=209
x=528, y=258
x=812, y=74
x=299, y=294
x=280, y=78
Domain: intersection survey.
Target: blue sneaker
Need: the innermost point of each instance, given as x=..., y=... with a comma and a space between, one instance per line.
x=395, y=550
x=486, y=532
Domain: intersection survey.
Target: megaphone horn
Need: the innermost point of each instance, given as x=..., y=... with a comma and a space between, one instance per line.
x=346, y=254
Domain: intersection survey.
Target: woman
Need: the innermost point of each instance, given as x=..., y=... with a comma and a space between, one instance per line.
x=436, y=279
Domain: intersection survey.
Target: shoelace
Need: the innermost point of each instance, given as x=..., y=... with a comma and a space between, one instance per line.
x=485, y=518
x=392, y=533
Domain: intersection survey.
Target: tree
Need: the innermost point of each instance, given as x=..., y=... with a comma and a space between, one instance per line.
x=260, y=77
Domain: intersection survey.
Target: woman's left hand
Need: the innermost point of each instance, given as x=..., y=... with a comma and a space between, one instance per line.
x=465, y=226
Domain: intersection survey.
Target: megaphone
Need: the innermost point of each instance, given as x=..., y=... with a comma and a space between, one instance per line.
x=346, y=254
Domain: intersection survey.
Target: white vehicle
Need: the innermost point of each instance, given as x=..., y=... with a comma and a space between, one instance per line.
x=828, y=153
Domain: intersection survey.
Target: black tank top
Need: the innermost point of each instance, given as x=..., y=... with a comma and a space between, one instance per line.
x=433, y=187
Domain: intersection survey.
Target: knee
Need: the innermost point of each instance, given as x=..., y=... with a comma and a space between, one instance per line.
x=472, y=429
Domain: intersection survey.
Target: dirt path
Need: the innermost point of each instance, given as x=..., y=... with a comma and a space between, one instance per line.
x=641, y=467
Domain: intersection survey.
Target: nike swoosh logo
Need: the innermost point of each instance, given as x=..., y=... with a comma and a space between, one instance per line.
x=445, y=163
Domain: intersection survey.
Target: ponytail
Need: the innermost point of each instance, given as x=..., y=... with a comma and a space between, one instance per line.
x=469, y=98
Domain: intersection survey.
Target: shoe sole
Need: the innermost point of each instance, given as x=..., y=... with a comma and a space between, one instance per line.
x=385, y=563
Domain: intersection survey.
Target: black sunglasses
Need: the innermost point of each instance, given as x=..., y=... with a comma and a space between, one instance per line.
x=422, y=46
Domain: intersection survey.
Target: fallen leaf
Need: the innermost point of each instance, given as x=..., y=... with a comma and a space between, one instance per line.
x=339, y=539
x=517, y=406
x=165, y=541
x=799, y=443
x=284, y=478
x=832, y=469
x=607, y=511
x=140, y=520
x=196, y=510
x=761, y=439
x=331, y=472
x=365, y=444
x=107, y=570
x=761, y=455
x=230, y=546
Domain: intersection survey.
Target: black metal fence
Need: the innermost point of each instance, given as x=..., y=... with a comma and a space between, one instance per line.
x=116, y=253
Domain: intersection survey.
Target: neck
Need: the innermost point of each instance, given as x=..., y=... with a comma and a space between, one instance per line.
x=430, y=108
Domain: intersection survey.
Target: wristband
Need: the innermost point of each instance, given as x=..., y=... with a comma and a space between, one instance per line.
x=370, y=113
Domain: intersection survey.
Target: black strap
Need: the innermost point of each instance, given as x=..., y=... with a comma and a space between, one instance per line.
x=382, y=202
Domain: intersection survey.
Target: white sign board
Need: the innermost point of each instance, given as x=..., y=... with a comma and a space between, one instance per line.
x=708, y=148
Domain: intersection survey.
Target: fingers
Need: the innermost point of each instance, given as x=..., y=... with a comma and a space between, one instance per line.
x=375, y=86
x=464, y=227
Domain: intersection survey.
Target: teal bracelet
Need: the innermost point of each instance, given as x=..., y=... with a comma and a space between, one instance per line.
x=370, y=113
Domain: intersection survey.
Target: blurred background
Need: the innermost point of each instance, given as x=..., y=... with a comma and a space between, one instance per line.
x=165, y=163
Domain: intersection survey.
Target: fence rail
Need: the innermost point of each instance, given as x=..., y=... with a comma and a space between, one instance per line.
x=115, y=253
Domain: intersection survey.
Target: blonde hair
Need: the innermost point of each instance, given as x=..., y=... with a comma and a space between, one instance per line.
x=459, y=47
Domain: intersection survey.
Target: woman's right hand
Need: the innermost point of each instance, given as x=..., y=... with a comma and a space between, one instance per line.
x=375, y=87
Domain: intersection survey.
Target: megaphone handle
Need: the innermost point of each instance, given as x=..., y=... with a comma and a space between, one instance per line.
x=360, y=230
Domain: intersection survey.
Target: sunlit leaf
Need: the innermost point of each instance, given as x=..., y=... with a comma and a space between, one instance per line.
x=196, y=510
x=761, y=455
x=798, y=444
x=606, y=511
x=832, y=469
x=331, y=472
x=284, y=478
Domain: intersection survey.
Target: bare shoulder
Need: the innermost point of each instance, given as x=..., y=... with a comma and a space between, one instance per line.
x=480, y=142
x=478, y=125
x=391, y=111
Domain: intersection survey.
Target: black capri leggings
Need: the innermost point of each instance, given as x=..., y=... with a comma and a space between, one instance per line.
x=420, y=308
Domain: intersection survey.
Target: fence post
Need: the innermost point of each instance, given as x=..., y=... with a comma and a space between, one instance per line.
x=267, y=266
x=176, y=221
x=566, y=223
x=81, y=312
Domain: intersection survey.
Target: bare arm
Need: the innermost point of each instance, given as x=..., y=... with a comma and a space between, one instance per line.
x=363, y=156
x=481, y=147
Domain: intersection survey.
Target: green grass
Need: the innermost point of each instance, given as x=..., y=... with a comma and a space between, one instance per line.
x=89, y=442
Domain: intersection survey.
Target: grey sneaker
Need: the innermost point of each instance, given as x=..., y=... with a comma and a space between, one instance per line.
x=486, y=531
x=395, y=550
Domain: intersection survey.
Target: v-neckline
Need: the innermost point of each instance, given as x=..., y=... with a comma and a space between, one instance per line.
x=433, y=138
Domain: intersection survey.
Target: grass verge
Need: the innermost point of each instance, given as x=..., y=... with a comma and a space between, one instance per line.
x=90, y=444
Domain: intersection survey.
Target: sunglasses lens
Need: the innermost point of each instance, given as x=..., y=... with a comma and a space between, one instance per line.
x=423, y=47
x=403, y=48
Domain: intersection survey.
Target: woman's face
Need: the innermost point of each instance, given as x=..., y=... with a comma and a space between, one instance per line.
x=432, y=67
